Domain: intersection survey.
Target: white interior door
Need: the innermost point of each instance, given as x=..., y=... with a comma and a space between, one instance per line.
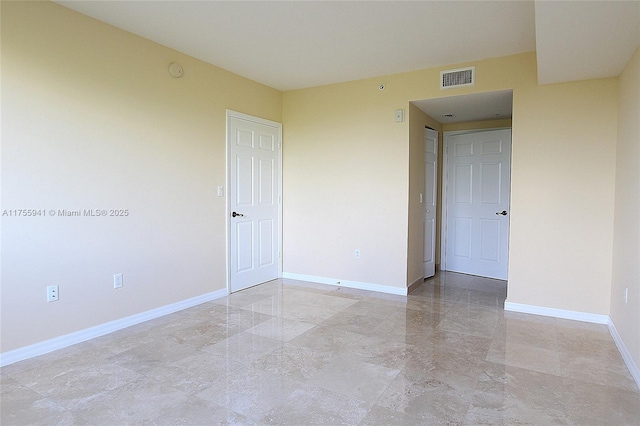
x=254, y=147
x=430, y=200
x=477, y=203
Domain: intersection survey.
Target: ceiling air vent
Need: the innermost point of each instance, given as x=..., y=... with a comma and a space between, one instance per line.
x=458, y=78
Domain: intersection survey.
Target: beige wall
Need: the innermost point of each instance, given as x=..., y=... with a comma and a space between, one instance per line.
x=92, y=119
x=563, y=172
x=345, y=164
x=626, y=251
x=564, y=139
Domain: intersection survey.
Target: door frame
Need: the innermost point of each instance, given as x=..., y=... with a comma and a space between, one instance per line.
x=445, y=182
x=436, y=187
x=231, y=191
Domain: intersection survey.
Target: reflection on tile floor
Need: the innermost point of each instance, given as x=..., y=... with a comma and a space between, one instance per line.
x=289, y=352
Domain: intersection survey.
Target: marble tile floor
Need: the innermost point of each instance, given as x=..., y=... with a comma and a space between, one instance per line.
x=295, y=353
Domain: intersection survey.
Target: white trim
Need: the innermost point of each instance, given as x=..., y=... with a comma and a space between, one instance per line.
x=556, y=313
x=462, y=132
x=427, y=130
x=443, y=209
x=626, y=355
x=350, y=284
x=100, y=330
x=264, y=121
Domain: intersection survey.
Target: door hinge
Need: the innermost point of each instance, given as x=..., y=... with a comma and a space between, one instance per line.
x=279, y=144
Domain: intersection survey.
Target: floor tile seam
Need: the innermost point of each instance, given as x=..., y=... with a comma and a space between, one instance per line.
x=342, y=327
x=548, y=352
x=68, y=373
x=247, y=334
x=296, y=385
x=459, y=334
x=571, y=412
x=231, y=302
x=512, y=365
x=338, y=292
x=62, y=407
x=301, y=321
x=523, y=369
x=568, y=356
x=533, y=345
x=15, y=375
x=289, y=397
x=531, y=320
x=459, y=303
x=416, y=419
x=521, y=344
x=369, y=405
x=72, y=404
x=31, y=389
x=295, y=305
x=219, y=406
x=614, y=386
x=579, y=328
x=562, y=413
x=35, y=363
x=525, y=332
x=380, y=397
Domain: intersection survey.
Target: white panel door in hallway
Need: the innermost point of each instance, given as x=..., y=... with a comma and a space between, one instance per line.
x=477, y=203
x=254, y=159
x=430, y=200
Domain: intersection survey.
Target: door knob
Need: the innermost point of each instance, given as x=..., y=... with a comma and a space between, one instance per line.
x=234, y=214
x=503, y=213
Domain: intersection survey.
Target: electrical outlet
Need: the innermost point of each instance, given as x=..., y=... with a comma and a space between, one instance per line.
x=52, y=293
x=117, y=281
x=357, y=254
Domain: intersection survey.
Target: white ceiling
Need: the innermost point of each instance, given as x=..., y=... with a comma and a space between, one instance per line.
x=476, y=107
x=297, y=44
x=575, y=36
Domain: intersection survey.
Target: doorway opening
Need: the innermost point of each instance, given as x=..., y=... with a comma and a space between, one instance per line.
x=466, y=124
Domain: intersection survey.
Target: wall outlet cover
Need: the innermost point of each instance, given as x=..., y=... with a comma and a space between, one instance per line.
x=117, y=281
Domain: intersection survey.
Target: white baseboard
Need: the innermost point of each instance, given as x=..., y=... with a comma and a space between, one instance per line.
x=343, y=283
x=556, y=313
x=628, y=359
x=100, y=330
